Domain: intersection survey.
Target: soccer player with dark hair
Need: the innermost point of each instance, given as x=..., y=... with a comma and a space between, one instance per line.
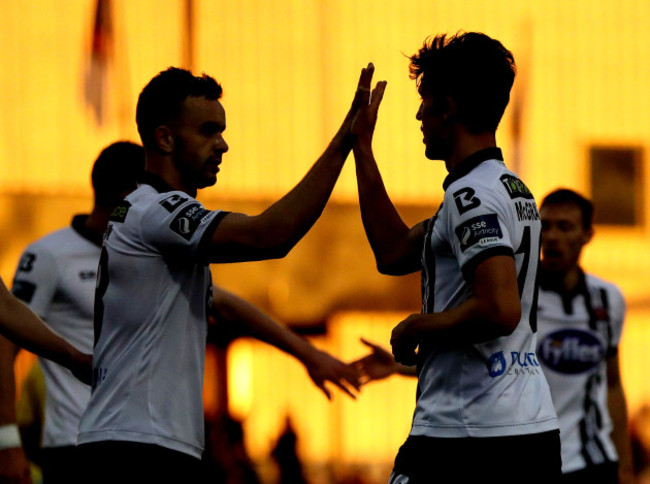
x=154, y=292
x=56, y=279
x=580, y=318
x=484, y=411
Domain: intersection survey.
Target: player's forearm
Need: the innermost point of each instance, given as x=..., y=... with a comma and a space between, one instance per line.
x=19, y=324
x=473, y=321
x=251, y=321
x=7, y=382
x=387, y=233
x=291, y=217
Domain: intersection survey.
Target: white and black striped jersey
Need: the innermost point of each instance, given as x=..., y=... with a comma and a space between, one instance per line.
x=495, y=388
x=578, y=331
x=151, y=313
x=56, y=279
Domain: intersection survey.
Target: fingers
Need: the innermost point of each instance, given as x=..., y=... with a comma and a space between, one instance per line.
x=370, y=345
x=324, y=389
x=366, y=77
x=362, y=96
x=377, y=95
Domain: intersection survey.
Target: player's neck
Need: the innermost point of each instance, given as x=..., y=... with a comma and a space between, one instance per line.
x=97, y=220
x=571, y=279
x=466, y=144
x=166, y=169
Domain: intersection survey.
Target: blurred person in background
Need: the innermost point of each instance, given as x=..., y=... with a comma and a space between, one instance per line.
x=580, y=318
x=20, y=326
x=56, y=279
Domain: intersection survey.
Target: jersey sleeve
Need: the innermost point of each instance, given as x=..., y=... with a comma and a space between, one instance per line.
x=36, y=279
x=179, y=225
x=478, y=225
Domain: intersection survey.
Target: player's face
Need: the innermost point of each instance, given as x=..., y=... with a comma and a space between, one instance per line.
x=434, y=128
x=563, y=236
x=198, y=141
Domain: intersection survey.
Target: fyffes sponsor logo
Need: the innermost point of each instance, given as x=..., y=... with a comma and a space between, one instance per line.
x=571, y=351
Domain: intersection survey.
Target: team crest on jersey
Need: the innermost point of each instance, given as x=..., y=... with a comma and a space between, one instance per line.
x=571, y=351
x=188, y=220
x=119, y=214
x=497, y=364
x=465, y=200
x=520, y=364
x=515, y=187
x=481, y=230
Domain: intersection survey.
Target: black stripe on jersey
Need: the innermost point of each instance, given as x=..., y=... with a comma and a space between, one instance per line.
x=593, y=450
x=428, y=274
x=471, y=265
x=604, y=298
x=24, y=290
x=204, y=243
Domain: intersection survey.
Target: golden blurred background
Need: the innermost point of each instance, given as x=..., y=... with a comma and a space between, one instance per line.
x=289, y=69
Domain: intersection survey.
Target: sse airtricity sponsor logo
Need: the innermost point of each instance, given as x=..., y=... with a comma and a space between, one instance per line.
x=571, y=351
x=515, y=363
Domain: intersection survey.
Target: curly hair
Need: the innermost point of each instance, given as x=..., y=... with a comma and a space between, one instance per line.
x=474, y=70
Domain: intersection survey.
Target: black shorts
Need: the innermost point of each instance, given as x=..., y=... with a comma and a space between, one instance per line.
x=132, y=462
x=533, y=459
x=606, y=473
x=61, y=464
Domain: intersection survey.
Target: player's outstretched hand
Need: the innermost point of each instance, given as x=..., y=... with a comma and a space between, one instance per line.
x=323, y=367
x=361, y=99
x=363, y=125
x=405, y=339
x=376, y=365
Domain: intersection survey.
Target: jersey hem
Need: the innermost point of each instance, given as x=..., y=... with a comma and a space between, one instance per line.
x=141, y=438
x=547, y=425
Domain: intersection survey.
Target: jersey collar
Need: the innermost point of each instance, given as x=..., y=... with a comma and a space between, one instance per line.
x=79, y=226
x=471, y=162
x=160, y=185
x=549, y=283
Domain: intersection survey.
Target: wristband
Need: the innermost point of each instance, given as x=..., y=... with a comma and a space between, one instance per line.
x=9, y=436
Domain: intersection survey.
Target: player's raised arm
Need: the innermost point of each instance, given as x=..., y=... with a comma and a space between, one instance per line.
x=321, y=366
x=275, y=231
x=396, y=247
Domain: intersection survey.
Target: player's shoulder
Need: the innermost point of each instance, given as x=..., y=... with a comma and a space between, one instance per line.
x=594, y=282
x=147, y=198
x=53, y=242
x=490, y=184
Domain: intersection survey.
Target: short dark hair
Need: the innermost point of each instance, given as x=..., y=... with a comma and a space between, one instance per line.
x=161, y=99
x=116, y=172
x=474, y=70
x=565, y=195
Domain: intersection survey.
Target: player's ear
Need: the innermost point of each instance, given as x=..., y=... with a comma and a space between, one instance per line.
x=164, y=139
x=449, y=109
